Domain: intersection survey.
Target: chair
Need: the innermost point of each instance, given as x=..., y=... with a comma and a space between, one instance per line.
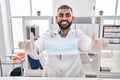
x=32, y=67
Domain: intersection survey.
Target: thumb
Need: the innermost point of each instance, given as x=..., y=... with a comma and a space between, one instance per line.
x=94, y=37
x=32, y=39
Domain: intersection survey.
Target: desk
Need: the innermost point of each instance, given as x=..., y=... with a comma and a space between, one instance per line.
x=51, y=78
x=10, y=63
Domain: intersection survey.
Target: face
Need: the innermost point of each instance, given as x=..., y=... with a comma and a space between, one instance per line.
x=64, y=18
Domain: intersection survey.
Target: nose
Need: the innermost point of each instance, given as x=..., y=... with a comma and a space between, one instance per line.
x=64, y=17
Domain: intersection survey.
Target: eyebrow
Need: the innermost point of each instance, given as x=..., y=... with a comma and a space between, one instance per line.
x=63, y=13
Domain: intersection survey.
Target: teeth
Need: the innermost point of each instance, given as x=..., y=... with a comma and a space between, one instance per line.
x=64, y=22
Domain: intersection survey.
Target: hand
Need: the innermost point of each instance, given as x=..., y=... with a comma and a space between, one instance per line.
x=29, y=47
x=97, y=44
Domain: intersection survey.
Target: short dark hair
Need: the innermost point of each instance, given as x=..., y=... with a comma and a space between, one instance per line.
x=65, y=7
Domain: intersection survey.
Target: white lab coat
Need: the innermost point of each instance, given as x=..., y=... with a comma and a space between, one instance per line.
x=68, y=65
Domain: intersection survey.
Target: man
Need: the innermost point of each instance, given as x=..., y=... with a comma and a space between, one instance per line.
x=64, y=65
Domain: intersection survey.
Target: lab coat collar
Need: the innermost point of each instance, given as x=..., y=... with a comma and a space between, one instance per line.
x=61, y=33
x=58, y=33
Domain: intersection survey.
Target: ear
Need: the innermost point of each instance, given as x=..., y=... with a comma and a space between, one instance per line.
x=56, y=18
x=73, y=18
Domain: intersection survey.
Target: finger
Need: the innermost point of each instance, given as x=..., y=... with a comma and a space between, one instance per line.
x=32, y=39
x=94, y=38
x=32, y=36
x=105, y=43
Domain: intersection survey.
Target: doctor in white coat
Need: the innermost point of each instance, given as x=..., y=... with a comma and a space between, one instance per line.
x=64, y=65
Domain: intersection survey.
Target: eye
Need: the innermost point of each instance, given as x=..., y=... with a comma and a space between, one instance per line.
x=61, y=15
x=68, y=15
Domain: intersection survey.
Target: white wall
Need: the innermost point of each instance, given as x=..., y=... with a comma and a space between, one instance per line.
x=80, y=7
x=2, y=44
x=6, y=28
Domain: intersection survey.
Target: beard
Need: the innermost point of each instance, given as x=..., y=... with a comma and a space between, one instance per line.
x=64, y=27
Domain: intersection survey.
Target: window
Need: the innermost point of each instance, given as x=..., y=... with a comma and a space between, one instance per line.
x=20, y=7
x=17, y=31
x=118, y=10
x=107, y=6
x=44, y=6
